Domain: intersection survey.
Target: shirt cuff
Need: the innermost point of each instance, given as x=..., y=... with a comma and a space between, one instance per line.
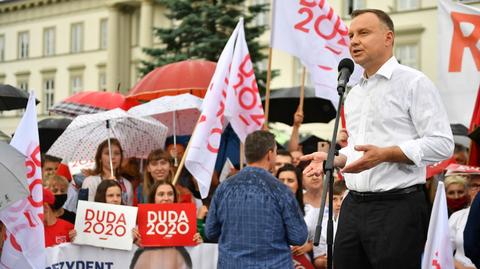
x=412, y=150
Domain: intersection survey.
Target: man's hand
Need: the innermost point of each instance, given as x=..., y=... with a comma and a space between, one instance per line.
x=315, y=168
x=372, y=156
x=298, y=118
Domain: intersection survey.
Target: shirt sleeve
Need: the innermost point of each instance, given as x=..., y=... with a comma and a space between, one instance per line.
x=212, y=225
x=297, y=233
x=435, y=142
x=90, y=184
x=471, y=234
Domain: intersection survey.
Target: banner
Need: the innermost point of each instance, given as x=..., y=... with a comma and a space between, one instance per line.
x=25, y=239
x=459, y=58
x=243, y=108
x=105, y=225
x=438, y=249
x=71, y=256
x=76, y=167
x=313, y=32
x=458, y=169
x=205, y=140
x=167, y=224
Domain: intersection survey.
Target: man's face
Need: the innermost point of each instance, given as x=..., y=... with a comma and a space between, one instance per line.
x=49, y=168
x=167, y=258
x=370, y=41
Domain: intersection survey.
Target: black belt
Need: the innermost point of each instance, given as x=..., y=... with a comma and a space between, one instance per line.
x=386, y=195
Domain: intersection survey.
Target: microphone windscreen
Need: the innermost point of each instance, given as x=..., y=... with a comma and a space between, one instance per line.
x=346, y=63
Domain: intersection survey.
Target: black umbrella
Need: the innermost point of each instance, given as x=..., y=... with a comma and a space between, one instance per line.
x=284, y=104
x=49, y=130
x=12, y=98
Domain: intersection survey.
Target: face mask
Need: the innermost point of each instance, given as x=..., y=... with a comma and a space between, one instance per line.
x=457, y=204
x=59, y=201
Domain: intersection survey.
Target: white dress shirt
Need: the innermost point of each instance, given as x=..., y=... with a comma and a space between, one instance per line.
x=397, y=106
x=457, y=223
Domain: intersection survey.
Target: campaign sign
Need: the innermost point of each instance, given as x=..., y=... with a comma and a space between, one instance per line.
x=167, y=224
x=76, y=167
x=105, y=225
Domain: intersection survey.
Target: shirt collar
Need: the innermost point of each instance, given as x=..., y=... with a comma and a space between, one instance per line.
x=386, y=70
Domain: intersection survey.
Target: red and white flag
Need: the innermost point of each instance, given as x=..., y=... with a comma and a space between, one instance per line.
x=25, y=242
x=438, y=249
x=459, y=58
x=205, y=140
x=243, y=108
x=313, y=32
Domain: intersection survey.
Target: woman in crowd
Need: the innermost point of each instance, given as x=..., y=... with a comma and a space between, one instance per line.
x=159, y=168
x=457, y=222
x=456, y=191
x=163, y=192
x=102, y=171
x=58, y=185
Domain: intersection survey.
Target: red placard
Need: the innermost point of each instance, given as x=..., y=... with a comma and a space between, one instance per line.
x=301, y=262
x=167, y=224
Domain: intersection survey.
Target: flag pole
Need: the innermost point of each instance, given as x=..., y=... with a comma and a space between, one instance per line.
x=267, y=92
x=302, y=90
x=182, y=161
x=242, y=154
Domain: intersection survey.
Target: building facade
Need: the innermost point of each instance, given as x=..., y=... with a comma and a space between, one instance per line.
x=60, y=47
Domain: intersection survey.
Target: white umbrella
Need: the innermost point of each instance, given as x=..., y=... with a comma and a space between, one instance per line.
x=137, y=135
x=179, y=113
x=13, y=186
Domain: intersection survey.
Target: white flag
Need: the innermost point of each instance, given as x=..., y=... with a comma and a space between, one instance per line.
x=459, y=58
x=438, y=249
x=24, y=219
x=205, y=140
x=313, y=32
x=243, y=108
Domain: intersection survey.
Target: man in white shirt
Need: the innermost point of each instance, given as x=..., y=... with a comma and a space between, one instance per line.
x=397, y=125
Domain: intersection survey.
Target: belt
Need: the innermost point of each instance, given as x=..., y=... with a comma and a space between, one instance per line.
x=394, y=194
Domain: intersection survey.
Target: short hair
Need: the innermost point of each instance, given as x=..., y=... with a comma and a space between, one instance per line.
x=257, y=145
x=183, y=252
x=284, y=152
x=101, y=194
x=455, y=179
x=56, y=178
x=49, y=158
x=339, y=187
x=153, y=191
x=381, y=15
x=298, y=173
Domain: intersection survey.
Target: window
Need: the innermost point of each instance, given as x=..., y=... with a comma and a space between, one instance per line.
x=2, y=48
x=22, y=85
x=23, y=47
x=48, y=94
x=49, y=41
x=103, y=33
x=407, y=54
x=407, y=4
x=76, y=84
x=262, y=18
x=77, y=38
x=102, y=81
x=351, y=5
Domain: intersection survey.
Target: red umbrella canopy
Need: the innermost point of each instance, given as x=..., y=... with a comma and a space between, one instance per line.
x=190, y=76
x=89, y=102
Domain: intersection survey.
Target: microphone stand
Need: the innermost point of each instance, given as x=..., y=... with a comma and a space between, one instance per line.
x=328, y=169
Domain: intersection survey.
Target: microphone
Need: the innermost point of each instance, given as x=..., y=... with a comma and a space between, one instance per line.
x=345, y=70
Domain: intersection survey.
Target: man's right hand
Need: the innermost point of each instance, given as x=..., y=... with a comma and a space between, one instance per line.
x=315, y=168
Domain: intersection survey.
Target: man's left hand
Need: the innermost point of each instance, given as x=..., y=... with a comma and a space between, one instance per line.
x=372, y=156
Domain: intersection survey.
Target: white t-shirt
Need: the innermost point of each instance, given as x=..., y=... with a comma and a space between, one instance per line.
x=91, y=183
x=456, y=223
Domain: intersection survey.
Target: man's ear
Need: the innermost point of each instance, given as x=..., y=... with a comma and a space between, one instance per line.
x=389, y=38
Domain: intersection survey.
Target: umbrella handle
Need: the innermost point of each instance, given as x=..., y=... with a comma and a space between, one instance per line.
x=109, y=150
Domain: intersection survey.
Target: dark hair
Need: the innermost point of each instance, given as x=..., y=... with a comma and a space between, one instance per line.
x=153, y=191
x=48, y=158
x=183, y=252
x=381, y=15
x=257, y=145
x=298, y=173
x=339, y=187
x=155, y=155
x=100, y=195
x=284, y=152
x=98, y=170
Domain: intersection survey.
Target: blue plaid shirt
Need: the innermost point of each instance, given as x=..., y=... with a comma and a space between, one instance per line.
x=255, y=218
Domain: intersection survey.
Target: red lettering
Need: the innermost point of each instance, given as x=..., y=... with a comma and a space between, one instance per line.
x=242, y=118
x=243, y=100
x=36, y=182
x=258, y=118
x=210, y=147
x=308, y=4
x=89, y=214
x=301, y=25
x=34, y=156
x=14, y=243
x=32, y=222
x=243, y=66
x=121, y=219
x=460, y=42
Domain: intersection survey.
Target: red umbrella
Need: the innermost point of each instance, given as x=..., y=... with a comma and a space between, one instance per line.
x=190, y=76
x=89, y=102
x=474, y=126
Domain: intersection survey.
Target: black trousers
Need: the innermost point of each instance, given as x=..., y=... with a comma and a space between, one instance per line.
x=385, y=234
